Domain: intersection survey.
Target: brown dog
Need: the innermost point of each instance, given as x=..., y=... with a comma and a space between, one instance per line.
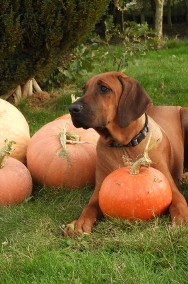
x=115, y=105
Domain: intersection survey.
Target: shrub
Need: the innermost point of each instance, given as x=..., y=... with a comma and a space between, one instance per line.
x=36, y=34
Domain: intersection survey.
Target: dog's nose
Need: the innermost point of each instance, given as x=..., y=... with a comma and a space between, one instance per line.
x=75, y=108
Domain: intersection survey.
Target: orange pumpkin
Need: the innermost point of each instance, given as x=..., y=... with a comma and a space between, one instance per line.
x=65, y=116
x=52, y=165
x=135, y=196
x=15, y=180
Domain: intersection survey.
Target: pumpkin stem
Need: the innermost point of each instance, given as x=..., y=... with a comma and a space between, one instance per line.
x=145, y=160
x=5, y=152
x=69, y=137
x=62, y=137
x=63, y=140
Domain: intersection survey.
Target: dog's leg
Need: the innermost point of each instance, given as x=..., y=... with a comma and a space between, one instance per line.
x=184, y=122
x=178, y=208
x=87, y=218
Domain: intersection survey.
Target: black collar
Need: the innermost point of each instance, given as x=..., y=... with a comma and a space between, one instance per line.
x=136, y=140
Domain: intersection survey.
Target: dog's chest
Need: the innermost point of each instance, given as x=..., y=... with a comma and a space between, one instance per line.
x=112, y=158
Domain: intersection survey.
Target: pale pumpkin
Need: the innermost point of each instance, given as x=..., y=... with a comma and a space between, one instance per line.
x=54, y=162
x=13, y=126
x=15, y=179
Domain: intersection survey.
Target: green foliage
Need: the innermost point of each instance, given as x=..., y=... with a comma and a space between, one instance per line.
x=135, y=40
x=173, y=43
x=83, y=61
x=167, y=67
x=35, y=35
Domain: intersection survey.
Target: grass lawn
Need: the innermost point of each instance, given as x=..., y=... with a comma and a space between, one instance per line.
x=33, y=249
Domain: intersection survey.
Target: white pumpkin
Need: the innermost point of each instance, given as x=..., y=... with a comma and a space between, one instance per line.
x=13, y=126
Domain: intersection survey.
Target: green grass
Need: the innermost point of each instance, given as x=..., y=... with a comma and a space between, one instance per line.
x=47, y=111
x=33, y=249
x=164, y=66
x=168, y=67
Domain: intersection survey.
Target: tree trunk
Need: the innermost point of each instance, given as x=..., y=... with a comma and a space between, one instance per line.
x=186, y=5
x=27, y=89
x=159, y=18
x=23, y=91
x=142, y=17
x=169, y=16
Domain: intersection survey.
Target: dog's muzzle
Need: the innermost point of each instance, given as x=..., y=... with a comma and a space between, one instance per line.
x=74, y=108
x=78, y=115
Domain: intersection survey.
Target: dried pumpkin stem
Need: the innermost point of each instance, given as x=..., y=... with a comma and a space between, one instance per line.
x=68, y=137
x=5, y=152
x=145, y=160
x=62, y=137
x=72, y=137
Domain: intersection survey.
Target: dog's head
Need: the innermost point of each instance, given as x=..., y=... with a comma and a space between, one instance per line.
x=108, y=97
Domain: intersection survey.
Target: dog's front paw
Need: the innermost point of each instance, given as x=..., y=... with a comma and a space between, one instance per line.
x=179, y=215
x=78, y=227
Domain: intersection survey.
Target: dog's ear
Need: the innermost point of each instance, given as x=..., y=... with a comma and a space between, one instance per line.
x=133, y=101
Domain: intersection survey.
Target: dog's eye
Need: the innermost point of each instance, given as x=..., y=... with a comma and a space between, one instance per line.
x=104, y=89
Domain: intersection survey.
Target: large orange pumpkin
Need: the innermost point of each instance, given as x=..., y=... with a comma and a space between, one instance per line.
x=15, y=180
x=135, y=196
x=52, y=165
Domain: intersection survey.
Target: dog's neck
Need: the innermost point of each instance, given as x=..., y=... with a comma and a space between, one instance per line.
x=129, y=136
